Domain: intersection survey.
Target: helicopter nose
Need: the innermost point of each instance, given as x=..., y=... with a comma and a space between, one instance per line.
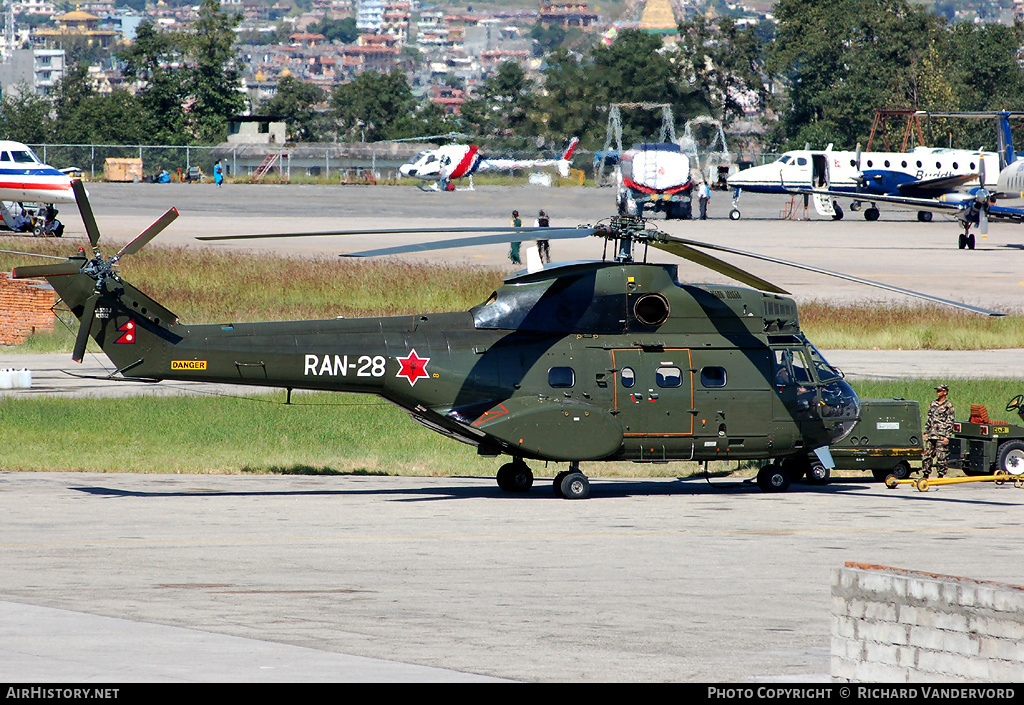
x=840, y=408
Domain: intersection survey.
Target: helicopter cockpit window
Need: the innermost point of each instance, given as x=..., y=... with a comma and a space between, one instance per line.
x=712, y=376
x=628, y=377
x=801, y=370
x=783, y=367
x=784, y=159
x=791, y=368
x=5, y=156
x=561, y=377
x=801, y=161
x=826, y=372
x=669, y=377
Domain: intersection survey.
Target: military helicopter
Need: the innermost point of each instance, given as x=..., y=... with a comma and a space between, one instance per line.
x=614, y=359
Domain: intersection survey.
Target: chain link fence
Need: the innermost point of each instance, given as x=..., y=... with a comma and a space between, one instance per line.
x=90, y=158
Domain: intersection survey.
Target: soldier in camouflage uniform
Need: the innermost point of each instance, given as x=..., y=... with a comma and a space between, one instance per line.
x=937, y=430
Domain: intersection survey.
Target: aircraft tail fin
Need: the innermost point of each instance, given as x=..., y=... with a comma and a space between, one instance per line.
x=119, y=317
x=130, y=327
x=1006, y=153
x=567, y=154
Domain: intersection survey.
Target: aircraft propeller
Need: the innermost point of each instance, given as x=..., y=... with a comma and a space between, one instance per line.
x=98, y=268
x=982, y=197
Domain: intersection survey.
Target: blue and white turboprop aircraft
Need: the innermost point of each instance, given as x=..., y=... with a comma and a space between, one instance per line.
x=976, y=205
x=867, y=177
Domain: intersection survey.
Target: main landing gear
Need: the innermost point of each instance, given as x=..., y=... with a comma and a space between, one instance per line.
x=568, y=484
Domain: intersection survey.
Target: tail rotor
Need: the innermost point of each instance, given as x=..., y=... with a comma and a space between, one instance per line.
x=98, y=268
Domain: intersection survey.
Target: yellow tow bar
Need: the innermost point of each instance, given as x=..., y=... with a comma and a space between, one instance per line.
x=922, y=484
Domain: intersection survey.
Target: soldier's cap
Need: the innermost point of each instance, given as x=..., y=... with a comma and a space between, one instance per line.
x=942, y=388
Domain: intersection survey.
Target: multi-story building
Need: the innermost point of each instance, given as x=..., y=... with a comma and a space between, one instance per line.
x=35, y=7
x=39, y=69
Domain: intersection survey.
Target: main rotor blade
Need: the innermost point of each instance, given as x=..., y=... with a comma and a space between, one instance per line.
x=680, y=249
x=84, y=207
x=47, y=270
x=395, y=231
x=839, y=275
x=31, y=254
x=506, y=236
x=149, y=233
x=86, y=326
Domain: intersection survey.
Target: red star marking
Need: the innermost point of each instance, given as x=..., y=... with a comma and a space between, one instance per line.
x=127, y=332
x=413, y=367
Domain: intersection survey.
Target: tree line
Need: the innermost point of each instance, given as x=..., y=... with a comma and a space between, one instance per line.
x=816, y=76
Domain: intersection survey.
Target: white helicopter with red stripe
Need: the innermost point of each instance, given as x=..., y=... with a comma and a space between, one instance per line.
x=455, y=161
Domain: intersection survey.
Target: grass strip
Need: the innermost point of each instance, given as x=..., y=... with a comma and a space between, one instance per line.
x=317, y=434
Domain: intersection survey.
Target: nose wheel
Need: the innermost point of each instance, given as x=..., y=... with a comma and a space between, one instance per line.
x=571, y=484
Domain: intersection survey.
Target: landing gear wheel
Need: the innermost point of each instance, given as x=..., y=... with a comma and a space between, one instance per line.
x=924, y=216
x=1010, y=458
x=575, y=485
x=515, y=477
x=900, y=471
x=962, y=242
x=970, y=241
x=772, y=478
x=796, y=466
x=818, y=474
x=871, y=214
x=734, y=214
x=557, y=484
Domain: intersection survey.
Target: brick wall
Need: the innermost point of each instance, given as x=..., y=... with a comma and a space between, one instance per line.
x=900, y=626
x=24, y=308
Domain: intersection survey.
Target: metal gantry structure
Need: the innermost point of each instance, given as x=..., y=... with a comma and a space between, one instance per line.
x=613, y=134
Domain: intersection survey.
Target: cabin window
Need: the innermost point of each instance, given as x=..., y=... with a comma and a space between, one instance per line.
x=887, y=163
x=919, y=165
x=955, y=165
x=904, y=163
x=972, y=166
x=712, y=376
x=628, y=377
x=938, y=165
x=561, y=377
x=870, y=163
x=669, y=376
